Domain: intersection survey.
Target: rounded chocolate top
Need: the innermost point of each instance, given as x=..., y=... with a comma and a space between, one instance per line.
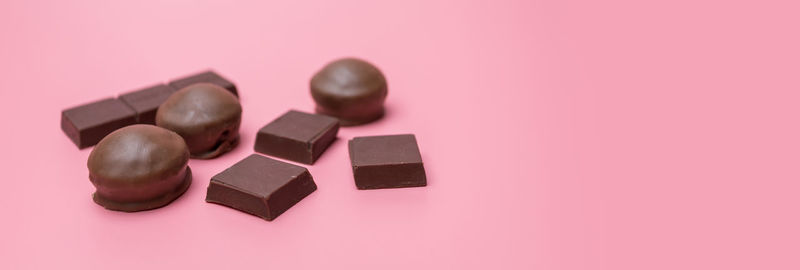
x=350, y=89
x=206, y=116
x=139, y=167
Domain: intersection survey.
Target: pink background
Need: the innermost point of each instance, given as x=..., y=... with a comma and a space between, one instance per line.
x=567, y=134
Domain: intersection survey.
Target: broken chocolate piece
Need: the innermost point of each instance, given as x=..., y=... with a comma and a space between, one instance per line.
x=87, y=124
x=261, y=186
x=391, y=161
x=145, y=102
x=297, y=136
x=205, y=77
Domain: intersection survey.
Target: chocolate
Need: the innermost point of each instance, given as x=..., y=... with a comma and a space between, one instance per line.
x=139, y=167
x=350, y=89
x=205, y=77
x=297, y=136
x=87, y=124
x=261, y=186
x=145, y=102
x=391, y=161
x=206, y=116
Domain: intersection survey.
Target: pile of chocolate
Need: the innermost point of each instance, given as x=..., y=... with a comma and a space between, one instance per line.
x=144, y=140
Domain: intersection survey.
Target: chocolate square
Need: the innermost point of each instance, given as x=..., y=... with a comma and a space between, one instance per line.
x=87, y=124
x=145, y=102
x=297, y=136
x=391, y=161
x=261, y=186
x=204, y=77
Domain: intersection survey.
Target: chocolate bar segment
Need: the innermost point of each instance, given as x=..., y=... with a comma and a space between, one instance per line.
x=261, y=186
x=204, y=77
x=87, y=124
x=297, y=136
x=145, y=102
x=391, y=161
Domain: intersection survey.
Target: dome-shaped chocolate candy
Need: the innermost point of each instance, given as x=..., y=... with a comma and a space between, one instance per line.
x=139, y=167
x=206, y=116
x=350, y=89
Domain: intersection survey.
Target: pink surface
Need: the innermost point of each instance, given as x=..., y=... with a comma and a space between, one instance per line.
x=556, y=134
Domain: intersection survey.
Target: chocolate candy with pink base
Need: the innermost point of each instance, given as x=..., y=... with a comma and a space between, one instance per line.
x=351, y=90
x=139, y=167
x=206, y=116
x=261, y=186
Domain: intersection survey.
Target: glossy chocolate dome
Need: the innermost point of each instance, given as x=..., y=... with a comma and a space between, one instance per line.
x=350, y=89
x=206, y=116
x=139, y=167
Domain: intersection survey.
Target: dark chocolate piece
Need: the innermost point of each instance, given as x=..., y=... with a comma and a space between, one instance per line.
x=206, y=116
x=391, y=161
x=350, y=89
x=297, y=136
x=139, y=167
x=261, y=186
x=145, y=102
x=205, y=77
x=87, y=124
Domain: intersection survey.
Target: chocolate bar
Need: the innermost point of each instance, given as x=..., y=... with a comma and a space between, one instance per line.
x=204, y=77
x=145, y=102
x=261, y=186
x=391, y=161
x=87, y=124
x=297, y=136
